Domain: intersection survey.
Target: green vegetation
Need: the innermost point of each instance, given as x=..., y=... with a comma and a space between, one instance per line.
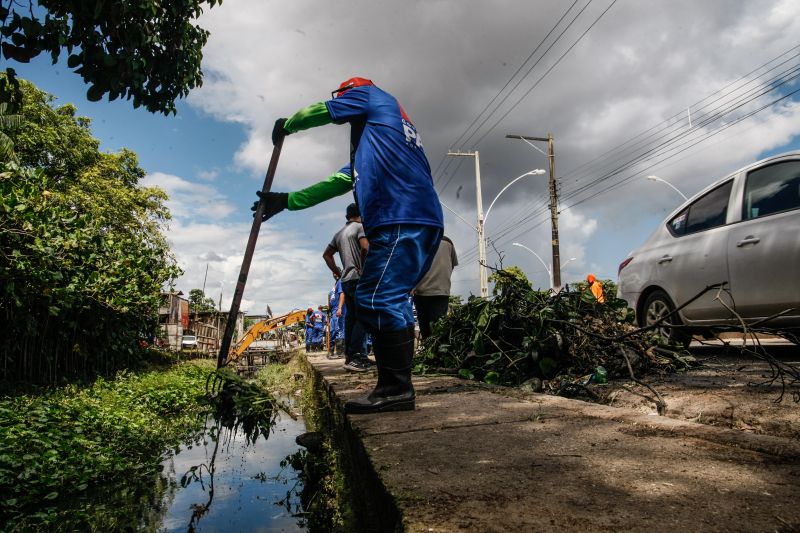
x=279, y=378
x=148, y=51
x=62, y=448
x=240, y=405
x=82, y=253
x=323, y=469
x=199, y=302
x=7, y=121
x=522, y=333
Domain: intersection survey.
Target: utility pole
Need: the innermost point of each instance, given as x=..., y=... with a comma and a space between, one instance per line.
x=551, y=156
x=481, y=240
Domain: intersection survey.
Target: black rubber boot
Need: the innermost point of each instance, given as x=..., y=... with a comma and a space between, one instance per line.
x=394, y=392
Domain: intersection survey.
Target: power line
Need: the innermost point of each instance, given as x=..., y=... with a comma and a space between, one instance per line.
x=711, y=134
x=632, y=176
x=665, y=146
x=519, y=82
x=543, y=76
x=680, y=113
x=706, y=119
x=522, y=65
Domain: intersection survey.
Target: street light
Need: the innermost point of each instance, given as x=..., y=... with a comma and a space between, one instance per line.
x=546, y=266
x=535, y=172
x=674, y=188
x=567, y=261
x=479, y=229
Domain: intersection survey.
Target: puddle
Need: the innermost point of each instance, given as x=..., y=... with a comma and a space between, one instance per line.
x=248, y=488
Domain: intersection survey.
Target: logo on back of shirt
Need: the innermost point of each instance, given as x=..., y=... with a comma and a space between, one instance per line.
x=413, y=138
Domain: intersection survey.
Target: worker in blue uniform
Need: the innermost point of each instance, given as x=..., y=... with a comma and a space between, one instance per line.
x=309, y=323
x=402, y=220
x=318, y=331
x=338, y=315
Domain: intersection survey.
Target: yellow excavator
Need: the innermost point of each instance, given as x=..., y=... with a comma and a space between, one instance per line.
x=262, y=327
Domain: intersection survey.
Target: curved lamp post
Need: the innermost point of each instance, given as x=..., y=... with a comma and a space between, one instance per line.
x=482, y=222
x=546, y=266
x=662, y=180
x=535, y=172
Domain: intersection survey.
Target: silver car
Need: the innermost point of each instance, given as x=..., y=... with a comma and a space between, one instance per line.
x=743, y=230
x=189, y=342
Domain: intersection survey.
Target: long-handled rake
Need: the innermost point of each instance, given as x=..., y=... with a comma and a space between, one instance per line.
x=225, y=346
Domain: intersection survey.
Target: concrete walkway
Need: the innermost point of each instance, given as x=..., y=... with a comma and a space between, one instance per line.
x=479, y=458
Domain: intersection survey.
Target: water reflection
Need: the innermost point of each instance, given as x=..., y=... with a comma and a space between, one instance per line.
x=226, y=482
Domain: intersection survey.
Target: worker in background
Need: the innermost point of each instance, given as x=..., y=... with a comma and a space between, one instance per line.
x=432, y=294
x=320, y=321
x=402, y=220
x=351, y=244
x=309, y=327
x=335, y=321
x=339, y=311
x=596, y=288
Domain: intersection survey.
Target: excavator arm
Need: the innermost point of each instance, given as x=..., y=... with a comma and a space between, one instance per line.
x=262, y=327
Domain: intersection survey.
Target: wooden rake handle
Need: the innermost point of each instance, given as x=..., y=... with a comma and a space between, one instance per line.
x=248, y=258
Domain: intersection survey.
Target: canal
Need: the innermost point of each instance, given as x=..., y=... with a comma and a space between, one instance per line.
x=228, y=484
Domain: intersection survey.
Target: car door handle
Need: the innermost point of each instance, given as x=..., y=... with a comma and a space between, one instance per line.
x=748, y=240
x=665, y=259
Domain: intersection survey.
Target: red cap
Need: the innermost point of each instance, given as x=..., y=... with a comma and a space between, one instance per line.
x=310, y=309
x=350, y=84
x=590, y=278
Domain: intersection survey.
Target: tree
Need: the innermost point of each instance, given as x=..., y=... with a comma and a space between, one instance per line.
x=7, y=122
x=508, y=275
x=83, y=256
x=199, y=302
x=149, y=50
x=53, y=139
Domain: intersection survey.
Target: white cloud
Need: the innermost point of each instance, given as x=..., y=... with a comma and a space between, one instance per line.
x=284, y=273
x=643, y=63
x=188, y=199
x=208, y=175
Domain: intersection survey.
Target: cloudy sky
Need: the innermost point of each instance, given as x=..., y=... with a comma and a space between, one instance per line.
x=685, y=90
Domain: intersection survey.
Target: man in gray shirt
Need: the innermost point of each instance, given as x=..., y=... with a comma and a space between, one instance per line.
x=351, y=244
x=432, y=294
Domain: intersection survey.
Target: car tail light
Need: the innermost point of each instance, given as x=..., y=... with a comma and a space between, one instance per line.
x=623, y=265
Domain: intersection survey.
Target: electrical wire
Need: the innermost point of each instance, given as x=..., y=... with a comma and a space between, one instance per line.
x=674, y=117
x=543, y=76
x=508, y=82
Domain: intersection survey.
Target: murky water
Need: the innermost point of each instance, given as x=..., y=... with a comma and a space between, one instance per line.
x=231, y=485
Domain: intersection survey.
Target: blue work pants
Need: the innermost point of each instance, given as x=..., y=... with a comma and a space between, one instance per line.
x=399, y=256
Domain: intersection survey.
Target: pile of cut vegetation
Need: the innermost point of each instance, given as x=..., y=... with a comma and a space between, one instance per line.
x=561, y=338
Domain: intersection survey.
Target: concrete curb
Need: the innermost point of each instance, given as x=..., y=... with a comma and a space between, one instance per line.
x=480, y=458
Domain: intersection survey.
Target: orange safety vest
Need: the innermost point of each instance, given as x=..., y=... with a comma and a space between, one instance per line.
x=597, y=291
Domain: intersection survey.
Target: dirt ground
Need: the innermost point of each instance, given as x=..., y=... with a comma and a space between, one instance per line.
x=727, y=390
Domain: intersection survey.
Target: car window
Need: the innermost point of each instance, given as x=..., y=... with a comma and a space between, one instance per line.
x=710, y=210
x=772, y=189
x=678, y=224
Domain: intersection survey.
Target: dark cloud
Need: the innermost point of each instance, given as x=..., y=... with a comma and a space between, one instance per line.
x=639, y=65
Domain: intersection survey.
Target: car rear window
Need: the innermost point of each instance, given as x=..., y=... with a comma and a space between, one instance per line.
x=772, y=189
x=708, y=211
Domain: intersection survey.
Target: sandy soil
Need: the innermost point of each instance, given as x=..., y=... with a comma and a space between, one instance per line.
x=727, y=390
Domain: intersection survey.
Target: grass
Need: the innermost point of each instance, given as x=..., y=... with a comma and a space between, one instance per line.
x=279, y=379
x=63, y=447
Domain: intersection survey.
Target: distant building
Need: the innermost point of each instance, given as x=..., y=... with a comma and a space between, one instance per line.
x=175, y=320
x=209, y=326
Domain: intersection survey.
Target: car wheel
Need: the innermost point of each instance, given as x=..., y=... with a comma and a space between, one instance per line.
x=658, y=305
